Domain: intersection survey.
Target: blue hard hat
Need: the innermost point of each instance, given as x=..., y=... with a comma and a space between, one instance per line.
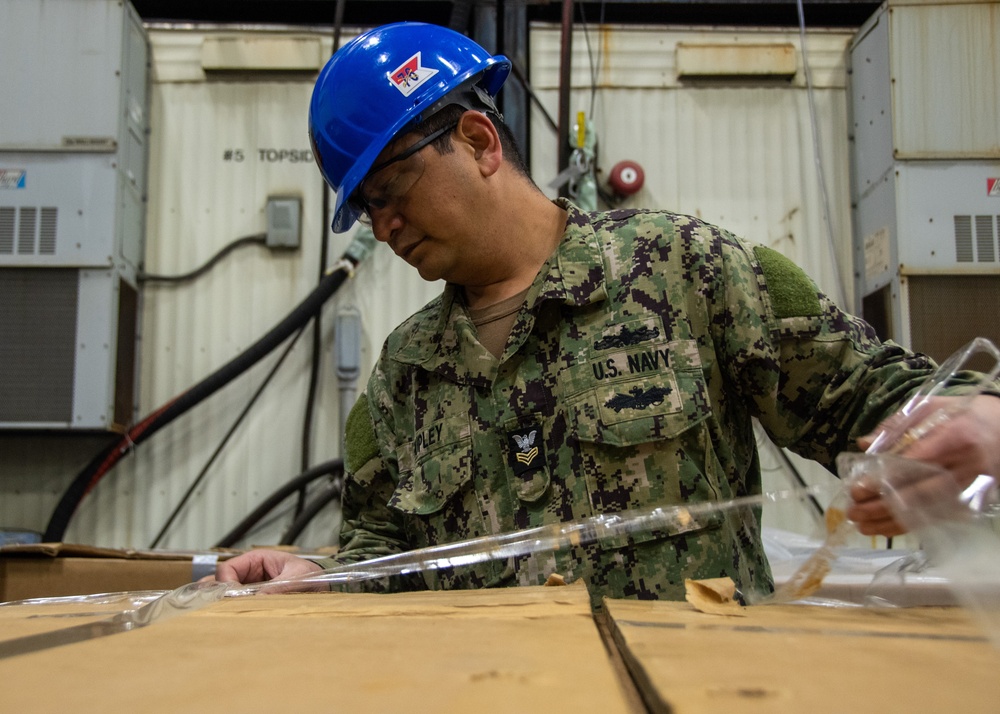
x=380, y=82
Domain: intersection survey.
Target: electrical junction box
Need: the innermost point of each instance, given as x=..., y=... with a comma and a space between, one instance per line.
x=73, y=155
x=284, y=222
x=925, y=173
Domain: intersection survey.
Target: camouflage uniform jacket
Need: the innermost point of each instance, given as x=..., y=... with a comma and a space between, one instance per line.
x=644, y=347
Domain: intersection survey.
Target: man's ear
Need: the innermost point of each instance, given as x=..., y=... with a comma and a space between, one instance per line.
x=476, y=129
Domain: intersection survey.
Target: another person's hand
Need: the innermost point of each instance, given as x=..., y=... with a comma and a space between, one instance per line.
x=258, y=566
x=966, y=445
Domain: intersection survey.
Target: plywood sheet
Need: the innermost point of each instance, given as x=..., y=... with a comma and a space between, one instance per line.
x=806, y=659
x=520, y=649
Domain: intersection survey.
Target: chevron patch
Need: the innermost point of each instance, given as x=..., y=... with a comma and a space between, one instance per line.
x=525, y=450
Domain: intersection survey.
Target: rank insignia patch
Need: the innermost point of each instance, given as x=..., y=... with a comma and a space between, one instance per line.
x=525, y=450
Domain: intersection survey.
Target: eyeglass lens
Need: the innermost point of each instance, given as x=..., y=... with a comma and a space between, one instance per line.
x=380, y=188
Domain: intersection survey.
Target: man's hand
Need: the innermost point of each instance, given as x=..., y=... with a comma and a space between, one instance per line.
x=965, y=446
x=258, y=566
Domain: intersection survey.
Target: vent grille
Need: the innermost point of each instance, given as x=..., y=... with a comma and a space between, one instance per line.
x=38, y=309
x=976, y=238
x=7, y=218
x=47, y=232
x=28, y=230
x=947, y=311
x=985, y=240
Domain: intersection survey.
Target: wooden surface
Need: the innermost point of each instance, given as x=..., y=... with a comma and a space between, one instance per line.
x=799, y=659
x=516, y=650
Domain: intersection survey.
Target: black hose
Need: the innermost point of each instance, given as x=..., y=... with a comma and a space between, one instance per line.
x=332, y=492
x=95, y=470
x=799, y=479
x=257, y=239
x=271, y=502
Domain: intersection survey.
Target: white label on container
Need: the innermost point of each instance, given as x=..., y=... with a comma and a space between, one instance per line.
x=13, y=178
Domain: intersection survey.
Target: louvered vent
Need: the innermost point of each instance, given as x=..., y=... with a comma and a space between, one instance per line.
x=7, y=216
x=963, y=239
x=985, y=240
x=976, y=238
x=47, y=231
x=28, y=230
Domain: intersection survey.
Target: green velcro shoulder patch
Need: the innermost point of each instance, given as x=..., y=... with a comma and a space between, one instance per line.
x=793, y=293
x=360, y=444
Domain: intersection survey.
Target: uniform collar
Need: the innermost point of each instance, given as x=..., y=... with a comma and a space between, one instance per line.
x=573, y=274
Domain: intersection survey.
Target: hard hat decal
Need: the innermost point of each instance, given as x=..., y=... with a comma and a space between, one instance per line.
x=410, y=75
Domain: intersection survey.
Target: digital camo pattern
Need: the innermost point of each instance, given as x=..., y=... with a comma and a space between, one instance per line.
x=643, y=349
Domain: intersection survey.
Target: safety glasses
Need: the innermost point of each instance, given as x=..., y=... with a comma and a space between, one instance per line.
x=378, y=192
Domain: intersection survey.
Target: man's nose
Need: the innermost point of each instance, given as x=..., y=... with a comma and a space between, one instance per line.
x=386, y=222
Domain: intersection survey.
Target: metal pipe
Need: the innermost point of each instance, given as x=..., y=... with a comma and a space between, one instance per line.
x=565, y=74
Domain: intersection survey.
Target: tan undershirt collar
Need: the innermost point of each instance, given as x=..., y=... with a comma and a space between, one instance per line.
x=494, y=322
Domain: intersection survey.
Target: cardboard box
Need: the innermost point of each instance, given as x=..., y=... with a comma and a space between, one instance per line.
x=59, y=569
x=514, y=650
x=797, y=658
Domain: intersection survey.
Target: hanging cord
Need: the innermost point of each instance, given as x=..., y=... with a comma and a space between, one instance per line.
x=602, y=193
x=590, y=57
x=799, y=481
x=225, y=440
x=257, y=239
x=519, y=76
x=818, y=157
x=335, y=468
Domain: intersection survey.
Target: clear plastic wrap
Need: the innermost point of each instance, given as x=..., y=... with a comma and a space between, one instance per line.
x=162, y=607
x=808, y=577
x=918, y=416
x=957, y=527
x=922, y=413
x=553, y=537
x=138, y=609
x=127, y=600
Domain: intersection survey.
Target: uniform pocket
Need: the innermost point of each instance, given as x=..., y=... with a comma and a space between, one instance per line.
x=640, y=410
x=645, y=444
x=437, y=497
x=434, y=466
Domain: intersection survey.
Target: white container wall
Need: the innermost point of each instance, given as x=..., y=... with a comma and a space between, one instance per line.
x=737, y=152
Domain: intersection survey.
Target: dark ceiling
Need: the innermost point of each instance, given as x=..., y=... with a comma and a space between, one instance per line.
x=817, y=13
